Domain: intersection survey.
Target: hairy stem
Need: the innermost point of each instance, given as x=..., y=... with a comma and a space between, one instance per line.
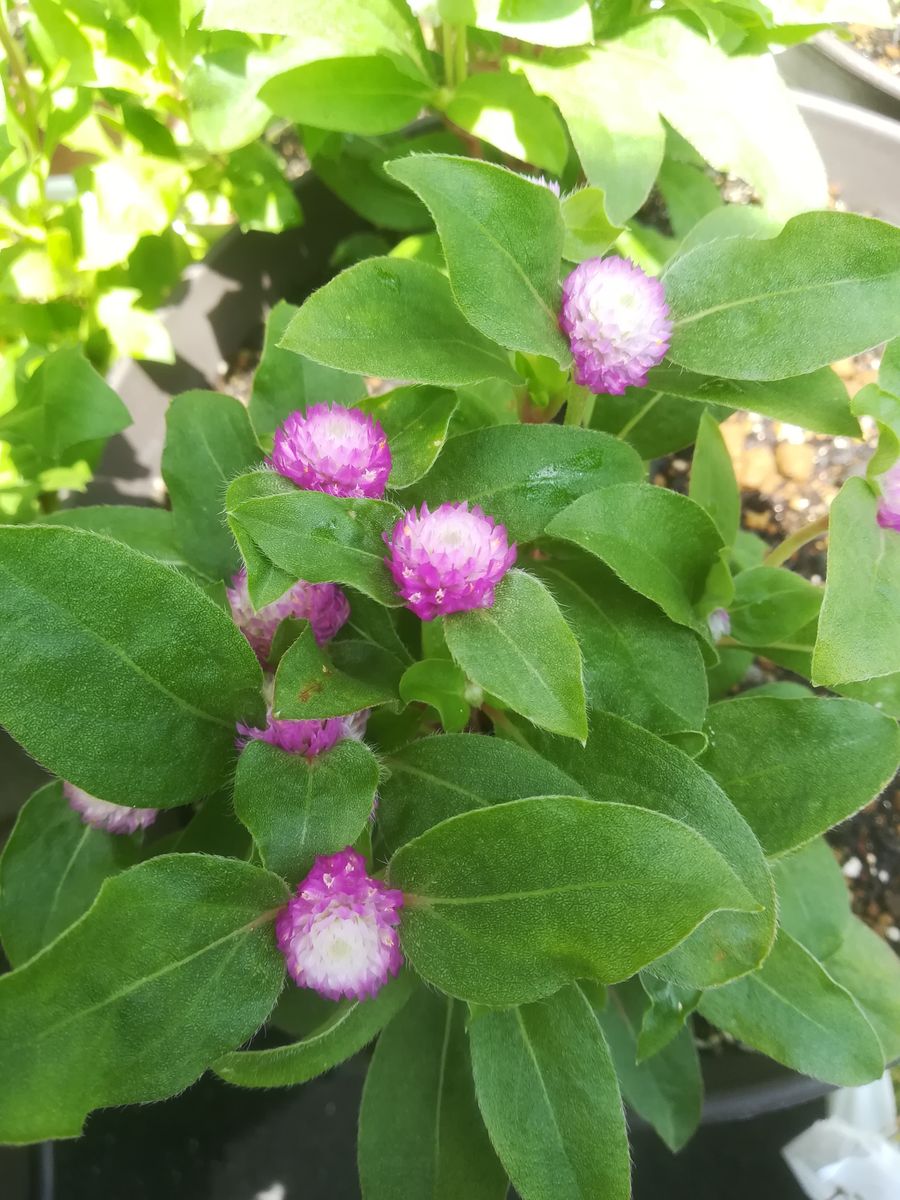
x=795, y=542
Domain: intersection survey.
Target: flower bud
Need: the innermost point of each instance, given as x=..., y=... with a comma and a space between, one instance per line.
x=338, y=933
x=324, y=605
x=719, y=623
x=889, y=504
x=617, y=322
x=332, y=449
x=309, y=738
x=449, y=560
x=100, y=814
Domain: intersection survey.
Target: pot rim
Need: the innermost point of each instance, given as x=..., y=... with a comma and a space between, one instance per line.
x=857, y=64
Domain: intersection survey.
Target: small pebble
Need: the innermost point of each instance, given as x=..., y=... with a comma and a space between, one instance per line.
x=852, y=868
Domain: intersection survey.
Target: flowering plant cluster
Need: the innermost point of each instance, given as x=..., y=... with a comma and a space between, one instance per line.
x=423, y=698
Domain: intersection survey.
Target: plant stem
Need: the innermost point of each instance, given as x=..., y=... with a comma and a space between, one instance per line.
x=447, y=32
x=795, y=542
x=579, y=406
x=639, y=415
x=462, y=54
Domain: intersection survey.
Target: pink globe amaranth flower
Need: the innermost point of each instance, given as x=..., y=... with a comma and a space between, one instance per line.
x=719, y=623
x=550, y=184
x=449, y=560
x=338, y=933
x=889, y=504
x=332, y=449
x=309, y=738
x=617, y=322
x=324, y=605
x=100, y=814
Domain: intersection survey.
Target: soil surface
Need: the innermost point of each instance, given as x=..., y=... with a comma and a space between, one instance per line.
x=880, y=46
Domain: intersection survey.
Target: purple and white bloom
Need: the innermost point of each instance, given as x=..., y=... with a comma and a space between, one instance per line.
x=324, y=605
x=338, y=933
x=100, y=814
x=719, y=623
x=550, y=184
x=889, y=504
x=617, y=322
x=333, y=449
x=309, y=738
x=449, y=560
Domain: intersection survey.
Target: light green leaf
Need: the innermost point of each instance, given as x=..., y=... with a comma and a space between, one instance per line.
x=509, y=903
x=88, y=1023
x=286, y=382
x=395, y=318
x=416, y=420
x=870, y=971
x=51, y=869
x=440, y=683
x=434, y=778
x=770, y=604
x=660, y=543
x=502, y=236
x=713, y=485
x=313, y=682
x=502, y=109
x=813, y=900
x=636, y=662
x=524, y=475
x=220, y=89
x=522, y=651
x=859, y=626
x=542, y=22
x=287, y=534
x=827, y=287
x=794, y=768
x=548, y=1092
x=150, y=531
x=209, y=441
x=370, y=622
x=78, y=681
x=731, y=220
x=589, y=231
x=652, y=422
x=792, y=1010
x=352, y=1025
x=298, y=808
x=665, y=1015
x=667, y=1089
x=420, y=1132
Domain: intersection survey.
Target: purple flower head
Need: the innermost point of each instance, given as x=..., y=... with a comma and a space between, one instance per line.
x=100, y=814
x=719, y=623
x=617, y=322
x=550, y=184
x=338, y=933
x=324, y=605
x=889, y=504
x=332, y=449
x=308, y=738
x=449, y=560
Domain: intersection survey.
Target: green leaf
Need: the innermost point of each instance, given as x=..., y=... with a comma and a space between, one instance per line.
x=150, y=531
x=542, y=22
x=502, y=109
x=80, y=684
x=688, y=192
x=297, y=808
x=287, y=534
x=524, y=475
x=636, y=662
x=547, y=1090
x=653, y=423
x=88, y=1023
x=628, y=765
x=667, y=1089
x=352, y=95
x=440, y=683
x=209, y=440
x=438, y=777
x=420, y=1133
x=792, y=1010
x=220, y=89
x=827, y=287
x=794, y=768
x=889, y=371
x=660, y=543
x=502, y=236
x=352, y=1025
x=51, y=869
x=313, y=683
x=713, y=485
x=859, y=627
x=370, y=622
x=730, y=220
x=813, y=901
x=874, y=401
x=64, y=404
x=620, y=145
x=507, y=904
x=664, y=1017
x=395, y=318
x=522, y=651
x=286, y=382
x=589, y=231
x=870, y=971
x=416, y=420
x=818, y=401
x=770, y=604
